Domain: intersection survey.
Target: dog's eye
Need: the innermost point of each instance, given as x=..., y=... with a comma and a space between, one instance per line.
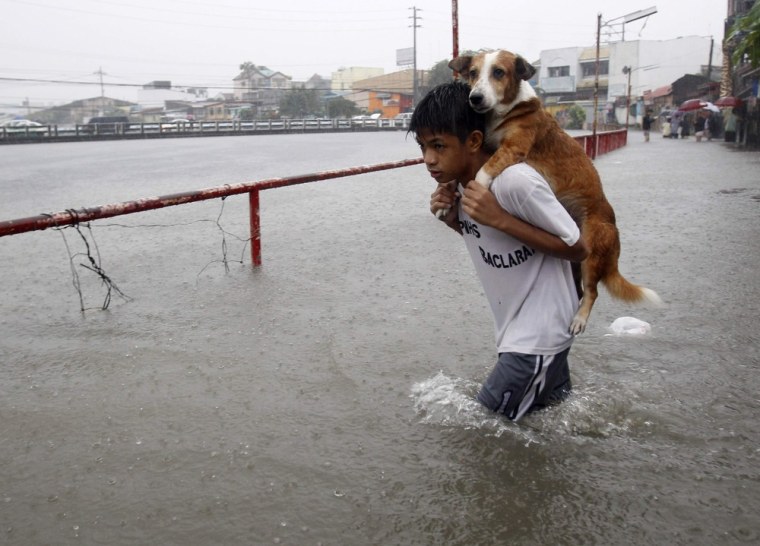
x=498, y=73
x=473, y=74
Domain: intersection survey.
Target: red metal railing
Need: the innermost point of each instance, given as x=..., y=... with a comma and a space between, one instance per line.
x=75, y=216
x=604, y=142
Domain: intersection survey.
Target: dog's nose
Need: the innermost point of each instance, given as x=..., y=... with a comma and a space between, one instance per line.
x=476, y=99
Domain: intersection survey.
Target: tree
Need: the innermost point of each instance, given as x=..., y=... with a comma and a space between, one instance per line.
x=246, y=114
x=340, y=107
x=577, y=117
x=247, y=67
x=571, y=118
x=440, y=73
x=300, y=102
x=745, y=34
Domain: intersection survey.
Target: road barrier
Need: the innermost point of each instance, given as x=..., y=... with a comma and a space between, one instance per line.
x=76, y=216
x=605, y=142
x=136, y=131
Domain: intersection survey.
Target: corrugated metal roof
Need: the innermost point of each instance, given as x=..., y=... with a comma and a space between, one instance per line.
x=663, y=91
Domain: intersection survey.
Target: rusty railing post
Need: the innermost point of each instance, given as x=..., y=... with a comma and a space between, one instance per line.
x=253, y=202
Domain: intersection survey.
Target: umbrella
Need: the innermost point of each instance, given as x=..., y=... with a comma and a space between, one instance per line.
x=692, y=104
x=711, y=107
x=728, y=102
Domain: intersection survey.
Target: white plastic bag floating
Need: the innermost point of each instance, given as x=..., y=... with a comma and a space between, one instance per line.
x=629, y=326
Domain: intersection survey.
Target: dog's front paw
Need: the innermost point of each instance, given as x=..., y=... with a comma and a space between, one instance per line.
x=441, y=214
x=578, y=325
x=483, y=178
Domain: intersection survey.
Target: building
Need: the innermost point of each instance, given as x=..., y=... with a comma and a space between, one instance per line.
x=568, y=75
x=81, y=111
x=157, y=93
x=261, y=87
x=389, y=94
x=343, y=79
x=741, y=81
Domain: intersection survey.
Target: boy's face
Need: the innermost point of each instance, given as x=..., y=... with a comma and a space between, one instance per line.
x=445, y=156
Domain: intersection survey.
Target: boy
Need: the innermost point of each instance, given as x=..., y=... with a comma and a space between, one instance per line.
x=521, y=241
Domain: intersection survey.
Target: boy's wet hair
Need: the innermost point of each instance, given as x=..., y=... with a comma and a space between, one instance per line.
x=446, y=110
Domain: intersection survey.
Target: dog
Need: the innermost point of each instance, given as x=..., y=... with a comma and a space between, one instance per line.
x=519, y=129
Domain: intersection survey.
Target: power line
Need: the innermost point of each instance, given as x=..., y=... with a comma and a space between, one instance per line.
x=312, y=27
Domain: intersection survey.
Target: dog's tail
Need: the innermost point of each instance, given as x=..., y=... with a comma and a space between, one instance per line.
x=620, y=288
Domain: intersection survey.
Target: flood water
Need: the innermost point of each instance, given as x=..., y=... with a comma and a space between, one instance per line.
x=327, y=397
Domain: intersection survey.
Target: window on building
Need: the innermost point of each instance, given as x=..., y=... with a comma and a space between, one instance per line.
x=559, y=71
x=589, y=69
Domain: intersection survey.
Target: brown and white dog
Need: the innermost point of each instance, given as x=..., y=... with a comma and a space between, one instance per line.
x=519, y=129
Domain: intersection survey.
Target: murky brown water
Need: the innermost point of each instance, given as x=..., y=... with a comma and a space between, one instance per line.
x=326, y=398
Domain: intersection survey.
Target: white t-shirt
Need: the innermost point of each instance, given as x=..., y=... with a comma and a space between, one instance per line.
x=532, y=295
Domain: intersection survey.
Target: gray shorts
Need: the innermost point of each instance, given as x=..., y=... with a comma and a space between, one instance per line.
x=521, y=383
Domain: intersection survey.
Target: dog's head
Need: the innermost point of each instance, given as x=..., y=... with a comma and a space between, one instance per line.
x=495, y=77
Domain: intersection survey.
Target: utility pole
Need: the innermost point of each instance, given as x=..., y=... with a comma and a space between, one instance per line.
x=596, y=85
x=627, y=70
x=415, y=26
x=455, y=29
x=101, y=74
x=102, y=91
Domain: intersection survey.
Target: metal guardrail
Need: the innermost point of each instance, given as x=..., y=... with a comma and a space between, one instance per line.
x=76, y=216
x=49, y=133
x=603, y=143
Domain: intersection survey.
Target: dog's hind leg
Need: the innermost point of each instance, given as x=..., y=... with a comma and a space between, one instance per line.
x=591, y=277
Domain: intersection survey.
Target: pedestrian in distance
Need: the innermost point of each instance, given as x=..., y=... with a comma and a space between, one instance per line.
x=685, y=127
x=729, y=125
x=521, y=242
x=675, y=126
x=646, y=124
x=699, y=127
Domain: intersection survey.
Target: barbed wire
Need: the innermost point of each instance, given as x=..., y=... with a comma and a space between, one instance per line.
x=93, y=265
x=93, y=259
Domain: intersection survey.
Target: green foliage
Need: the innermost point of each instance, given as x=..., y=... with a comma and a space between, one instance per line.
x=440, y=73
x=246, y=114
x=576, y=117
x=745, y=33
x=247, y=67
x=300, y=102
x=340, y=107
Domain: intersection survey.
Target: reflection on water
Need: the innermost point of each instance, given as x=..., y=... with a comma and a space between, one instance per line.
x=328, y=396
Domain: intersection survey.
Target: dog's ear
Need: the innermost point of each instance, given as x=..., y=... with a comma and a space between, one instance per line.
x=461, y=63
x=523, y=69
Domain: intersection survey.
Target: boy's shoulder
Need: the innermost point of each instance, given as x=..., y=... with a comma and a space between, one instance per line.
x=521, y=185
x=519, y=177
x=521, y=169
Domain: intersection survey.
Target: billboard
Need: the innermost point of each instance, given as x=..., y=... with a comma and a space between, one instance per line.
x=405, y=57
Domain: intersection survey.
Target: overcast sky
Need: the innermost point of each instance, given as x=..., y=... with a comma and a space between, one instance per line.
x=203, y=42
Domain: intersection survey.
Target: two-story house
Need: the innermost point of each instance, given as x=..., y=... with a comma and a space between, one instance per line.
x=261, y=87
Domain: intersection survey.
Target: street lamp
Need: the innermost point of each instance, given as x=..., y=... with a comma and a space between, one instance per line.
x=626, y=19
x=627, y=70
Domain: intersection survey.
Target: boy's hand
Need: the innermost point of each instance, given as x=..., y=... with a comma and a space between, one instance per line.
x=445, y=197
x=481, y=205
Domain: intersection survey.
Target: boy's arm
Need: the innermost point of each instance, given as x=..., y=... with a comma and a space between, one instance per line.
x=483, y=207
